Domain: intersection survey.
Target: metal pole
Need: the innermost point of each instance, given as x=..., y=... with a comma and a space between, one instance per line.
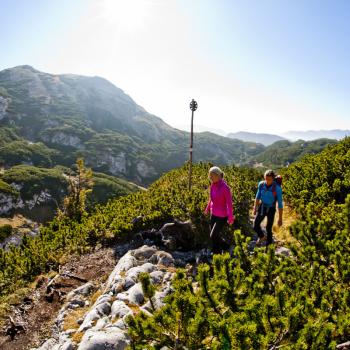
x=191, y=151
x=193, y=107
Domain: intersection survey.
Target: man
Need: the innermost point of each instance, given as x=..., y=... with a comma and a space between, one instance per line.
x=269, y=193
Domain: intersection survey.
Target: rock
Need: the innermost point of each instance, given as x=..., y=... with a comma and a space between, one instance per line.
x=85, y=289
x=157, y=299
x=162, y=258
x=102, y=323
x=48, y=345
x=119, y=309
x=283, y=251
x=68, y=345
x=4, y=103
x=76, y=303
x=343, y=346
x=120, y=323
x=134, y=272
x=144, y=252
x=89, y=320
x=156, y=276
x=53, y=344
x=125, y=263
x=168, y=276
x=123, y=297
x=135, y=294
x=129, y=282
x=103, y=308
x=112, y=338
x=178, y=235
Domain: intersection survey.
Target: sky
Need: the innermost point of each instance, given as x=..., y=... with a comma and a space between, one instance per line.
x=252, y=65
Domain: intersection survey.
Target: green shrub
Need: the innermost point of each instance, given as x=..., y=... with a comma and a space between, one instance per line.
x=5, y=231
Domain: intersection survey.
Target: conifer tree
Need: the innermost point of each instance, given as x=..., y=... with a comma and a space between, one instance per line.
x=74, y=205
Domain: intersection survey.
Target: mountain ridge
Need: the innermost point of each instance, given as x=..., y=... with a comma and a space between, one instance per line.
x=91, y=118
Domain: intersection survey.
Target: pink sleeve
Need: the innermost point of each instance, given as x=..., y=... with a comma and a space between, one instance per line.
x=229, y=204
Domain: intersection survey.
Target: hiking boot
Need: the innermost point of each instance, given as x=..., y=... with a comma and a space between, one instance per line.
x=261, y=240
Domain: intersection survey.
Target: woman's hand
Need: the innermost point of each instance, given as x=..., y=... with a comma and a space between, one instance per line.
x=231, y=220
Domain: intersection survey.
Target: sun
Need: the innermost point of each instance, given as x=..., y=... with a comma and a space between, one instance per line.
x=128, y=14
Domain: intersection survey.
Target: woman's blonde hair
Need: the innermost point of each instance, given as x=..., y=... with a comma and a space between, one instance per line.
x=216, y=170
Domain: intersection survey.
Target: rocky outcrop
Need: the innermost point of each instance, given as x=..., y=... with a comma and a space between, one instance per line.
x=63, y=138
x=4, y=103
x=145, y=170
x=116, y=163
x=103, y=322
x=10, y=202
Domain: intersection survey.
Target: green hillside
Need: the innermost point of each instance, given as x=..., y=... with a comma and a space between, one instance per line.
x=166, y=199
x=283, y=153
x=251, y=300
x=30, y=183
x=268, y=301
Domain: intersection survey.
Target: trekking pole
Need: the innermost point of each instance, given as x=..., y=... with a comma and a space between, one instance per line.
x=193, y=107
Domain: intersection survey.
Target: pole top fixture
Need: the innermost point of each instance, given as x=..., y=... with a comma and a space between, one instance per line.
x=193, y=105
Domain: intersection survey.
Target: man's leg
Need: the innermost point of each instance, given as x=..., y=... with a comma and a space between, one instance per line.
x=270, y=220
x=261, y=213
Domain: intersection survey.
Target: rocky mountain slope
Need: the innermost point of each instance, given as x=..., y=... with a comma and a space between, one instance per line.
x=90, y=117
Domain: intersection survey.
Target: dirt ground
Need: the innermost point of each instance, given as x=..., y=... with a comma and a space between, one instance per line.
x=38, y=310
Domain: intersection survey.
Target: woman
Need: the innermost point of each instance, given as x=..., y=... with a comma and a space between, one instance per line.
x=219, y=206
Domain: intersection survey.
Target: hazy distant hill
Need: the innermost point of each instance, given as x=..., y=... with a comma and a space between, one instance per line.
x=265, y=139
x=316, y=134
x=74, y=115
x=282, y=153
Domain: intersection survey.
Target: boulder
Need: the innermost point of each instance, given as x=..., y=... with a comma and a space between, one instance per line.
x=119, y=309
x=144, y=252
x=135, y=294
x=112, y=338
x=85, y=289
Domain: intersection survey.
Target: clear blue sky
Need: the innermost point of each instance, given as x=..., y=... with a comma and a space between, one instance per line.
x=262, y=65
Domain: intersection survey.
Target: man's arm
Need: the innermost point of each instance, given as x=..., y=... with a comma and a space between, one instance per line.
x=257, y=199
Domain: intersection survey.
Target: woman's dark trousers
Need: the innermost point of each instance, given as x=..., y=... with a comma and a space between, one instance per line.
x=261, y=213
x=216, y=225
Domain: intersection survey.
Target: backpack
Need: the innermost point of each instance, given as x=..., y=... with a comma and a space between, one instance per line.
x=276, y=182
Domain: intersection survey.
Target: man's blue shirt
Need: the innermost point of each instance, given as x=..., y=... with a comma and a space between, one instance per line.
x=265, y=194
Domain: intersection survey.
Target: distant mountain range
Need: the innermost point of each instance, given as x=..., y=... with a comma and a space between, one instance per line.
x=268, y=139
x=316, y=134
x=265, y=139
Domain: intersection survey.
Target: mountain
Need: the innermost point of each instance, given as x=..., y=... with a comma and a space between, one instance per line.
x=283, y=153
x=200, y=128
x=265, y=139
x=316, y=134
x=72, y=116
